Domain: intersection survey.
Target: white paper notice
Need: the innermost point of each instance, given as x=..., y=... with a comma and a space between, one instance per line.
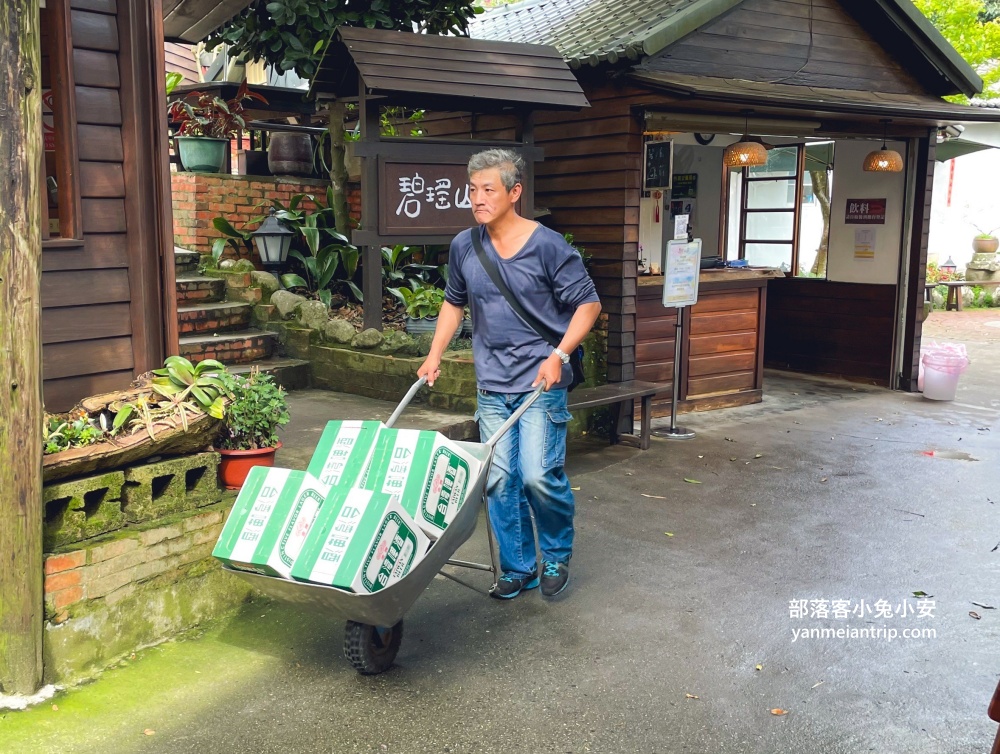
x=680, y=273
x=681, y=227
x=864, y=243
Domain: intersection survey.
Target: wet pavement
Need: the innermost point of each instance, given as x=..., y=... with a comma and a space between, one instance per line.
x=682, y=630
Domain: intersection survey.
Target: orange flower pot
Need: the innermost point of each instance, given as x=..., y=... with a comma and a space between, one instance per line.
x=236, y=464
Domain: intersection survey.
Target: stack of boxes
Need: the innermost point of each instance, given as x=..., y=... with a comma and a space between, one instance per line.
x=366, y=511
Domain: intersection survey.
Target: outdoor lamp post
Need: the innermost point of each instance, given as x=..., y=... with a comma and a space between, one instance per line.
x=273, y=239
x=949, y=266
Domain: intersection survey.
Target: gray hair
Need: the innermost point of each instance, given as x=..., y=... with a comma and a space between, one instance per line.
x=508, y=162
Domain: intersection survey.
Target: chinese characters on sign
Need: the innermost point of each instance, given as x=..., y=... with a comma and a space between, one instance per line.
x=423, y=198
x=842, y=609
x=416, y=192
x=865, y=212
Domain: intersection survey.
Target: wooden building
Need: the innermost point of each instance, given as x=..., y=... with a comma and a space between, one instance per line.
x=821, y=82
x=107, y=281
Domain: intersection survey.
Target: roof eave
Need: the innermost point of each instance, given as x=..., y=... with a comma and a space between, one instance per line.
x=933, y=46
x=680, y=24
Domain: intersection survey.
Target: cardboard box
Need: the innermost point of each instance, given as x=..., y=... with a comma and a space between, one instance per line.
x=361, y=541
x=343, y=451
x=270, y=520
x=427, y=473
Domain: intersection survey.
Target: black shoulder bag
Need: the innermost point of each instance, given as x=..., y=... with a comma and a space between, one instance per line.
x=548, y=334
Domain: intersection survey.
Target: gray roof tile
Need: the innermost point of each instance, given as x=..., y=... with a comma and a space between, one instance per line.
x=582, y=30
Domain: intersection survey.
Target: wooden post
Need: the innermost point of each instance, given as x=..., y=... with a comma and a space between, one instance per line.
x=20, y=350
x=371, y=270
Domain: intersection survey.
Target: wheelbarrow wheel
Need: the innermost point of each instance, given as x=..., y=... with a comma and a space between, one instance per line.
x=371, y=649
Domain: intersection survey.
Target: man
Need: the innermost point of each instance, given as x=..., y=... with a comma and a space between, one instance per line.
x=549, y=280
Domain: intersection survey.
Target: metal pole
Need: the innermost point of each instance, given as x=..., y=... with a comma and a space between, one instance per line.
x=675, y=432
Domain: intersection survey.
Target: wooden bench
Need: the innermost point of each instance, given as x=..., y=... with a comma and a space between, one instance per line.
x=954, y=298
x=618, y=394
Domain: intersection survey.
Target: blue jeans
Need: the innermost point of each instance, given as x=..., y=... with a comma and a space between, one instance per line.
x=528, y=471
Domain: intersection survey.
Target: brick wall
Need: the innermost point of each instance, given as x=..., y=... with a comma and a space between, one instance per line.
x=198, y=198
x=112, y=571
x=128, y=561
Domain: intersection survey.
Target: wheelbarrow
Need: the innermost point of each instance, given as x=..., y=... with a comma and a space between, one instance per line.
x=374, y=629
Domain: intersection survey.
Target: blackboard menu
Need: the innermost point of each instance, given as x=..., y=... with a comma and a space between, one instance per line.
x=657, y=165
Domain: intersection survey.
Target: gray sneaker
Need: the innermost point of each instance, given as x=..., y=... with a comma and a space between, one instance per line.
x=555, y=578
x=510, y=585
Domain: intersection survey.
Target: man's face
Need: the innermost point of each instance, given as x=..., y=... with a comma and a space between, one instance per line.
x=490, y=200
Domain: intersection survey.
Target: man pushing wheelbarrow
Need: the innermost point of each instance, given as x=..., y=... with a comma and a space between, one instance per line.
x=532, y=304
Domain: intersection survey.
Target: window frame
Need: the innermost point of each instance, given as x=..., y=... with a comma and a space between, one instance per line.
x=62, y=84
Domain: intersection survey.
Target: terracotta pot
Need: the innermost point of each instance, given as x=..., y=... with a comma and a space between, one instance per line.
x=985, y=245
x=236, y=464
x=290, y=154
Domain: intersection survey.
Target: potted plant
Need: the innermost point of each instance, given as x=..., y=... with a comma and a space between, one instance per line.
x=206, y=124
x=985, y=243
x=257, y=407
x=422, y=303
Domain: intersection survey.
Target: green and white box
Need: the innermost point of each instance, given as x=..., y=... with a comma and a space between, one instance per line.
x=269, y=522
x=429, y=474
x=361, y=541
x=343, y=452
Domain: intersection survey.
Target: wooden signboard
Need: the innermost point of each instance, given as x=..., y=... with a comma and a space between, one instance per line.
x=420, y=198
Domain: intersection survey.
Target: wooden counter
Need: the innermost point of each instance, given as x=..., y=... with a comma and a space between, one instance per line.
x=722, y=353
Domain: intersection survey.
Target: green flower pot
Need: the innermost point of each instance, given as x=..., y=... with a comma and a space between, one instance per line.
x=201, y=154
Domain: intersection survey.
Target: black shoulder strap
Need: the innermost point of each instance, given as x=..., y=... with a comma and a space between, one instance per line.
x=546, y=332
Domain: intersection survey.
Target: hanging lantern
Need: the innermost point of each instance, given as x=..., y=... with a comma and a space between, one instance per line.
x=884, y=160
x=745, y=153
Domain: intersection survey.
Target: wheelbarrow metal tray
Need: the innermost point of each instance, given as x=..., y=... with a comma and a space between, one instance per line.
x=386, y=606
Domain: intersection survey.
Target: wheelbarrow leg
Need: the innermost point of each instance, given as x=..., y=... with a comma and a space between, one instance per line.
x=371, y=649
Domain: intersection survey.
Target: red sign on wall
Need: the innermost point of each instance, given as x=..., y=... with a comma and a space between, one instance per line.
x=865, y=212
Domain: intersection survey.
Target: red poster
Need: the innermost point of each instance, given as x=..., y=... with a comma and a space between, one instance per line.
x=865, y=212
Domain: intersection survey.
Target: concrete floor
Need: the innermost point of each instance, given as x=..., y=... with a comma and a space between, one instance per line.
x=676, y=633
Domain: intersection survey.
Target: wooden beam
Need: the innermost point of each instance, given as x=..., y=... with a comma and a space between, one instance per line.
x=20, y=343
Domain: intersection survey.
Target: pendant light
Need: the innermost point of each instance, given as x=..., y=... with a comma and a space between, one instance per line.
x=745, y=153
x=884, y=160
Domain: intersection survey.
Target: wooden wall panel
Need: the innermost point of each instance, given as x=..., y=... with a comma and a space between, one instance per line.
x=62, y=325
x=804, y=42
x=87, y=325
x=86, y=357
x=100, y=251
x=83, y=287
x=100, y=143
x=844, y=329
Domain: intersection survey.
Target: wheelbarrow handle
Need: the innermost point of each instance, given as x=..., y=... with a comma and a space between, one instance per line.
x=406, y=401
x=516, y=415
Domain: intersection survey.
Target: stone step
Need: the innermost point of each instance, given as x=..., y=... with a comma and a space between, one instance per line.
x=292, y=374
x=213, y=317
x=185, y=262
x=230, y=348
x=199, y=288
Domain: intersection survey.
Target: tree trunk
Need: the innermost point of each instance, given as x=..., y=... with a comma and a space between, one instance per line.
x=338, y=169
x=21, y=608
x=821, y=189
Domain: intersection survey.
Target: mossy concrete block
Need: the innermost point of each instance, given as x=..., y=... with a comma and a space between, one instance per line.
x=395, y=342
x=267, y=282
x=286, y=303
x=423, y=343
x=177, y=484
x=82, y=508
x=296, y=341
x=370, y=338
x=101, y=632
x=339, y=331
x=312, y=314
x=262, y=313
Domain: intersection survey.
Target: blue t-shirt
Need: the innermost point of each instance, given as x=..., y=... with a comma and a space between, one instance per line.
x=547, y=277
